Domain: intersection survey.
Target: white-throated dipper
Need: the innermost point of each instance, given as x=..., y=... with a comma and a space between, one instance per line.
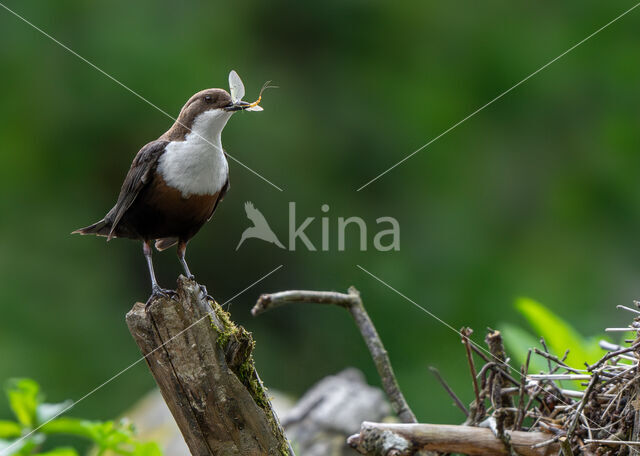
x=176, y=182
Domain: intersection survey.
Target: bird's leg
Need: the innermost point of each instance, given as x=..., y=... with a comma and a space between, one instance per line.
x=182, y=249
x=155, y=288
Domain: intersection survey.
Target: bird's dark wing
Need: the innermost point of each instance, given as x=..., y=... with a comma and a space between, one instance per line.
x=139, y=175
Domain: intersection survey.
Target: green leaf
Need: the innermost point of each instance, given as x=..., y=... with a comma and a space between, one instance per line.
x=105, y=434
x=147, y=449
x=9, y=429
x=23, y=400
x=560, y=335
x=73, y=426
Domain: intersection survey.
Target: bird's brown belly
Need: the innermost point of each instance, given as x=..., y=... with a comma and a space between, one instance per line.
x=162, y=211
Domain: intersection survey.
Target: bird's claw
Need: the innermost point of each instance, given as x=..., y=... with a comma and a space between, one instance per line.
x=157, y=292
x=165, y=293
x=205, y=293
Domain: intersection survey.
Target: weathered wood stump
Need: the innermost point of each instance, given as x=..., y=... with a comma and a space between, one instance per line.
x=203, y=365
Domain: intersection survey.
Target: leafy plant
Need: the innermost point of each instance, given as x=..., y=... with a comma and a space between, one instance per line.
x=35, y=420
x=558, y=334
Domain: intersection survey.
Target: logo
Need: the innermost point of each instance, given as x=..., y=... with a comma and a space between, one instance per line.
x=384, y=240
x=260, y=228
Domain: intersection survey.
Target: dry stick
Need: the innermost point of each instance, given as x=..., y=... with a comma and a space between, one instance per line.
x=613, y=354
x=606, y=345
x=549, y=357
x=353, y=303
x=546, y=350
x=485, y=368
x=448, y=389
x=555, y=439
x=406, y=439
x=586, y=424
x=562, y=360
x=566, y=444
x=537, y=389
x=466, y=332
x=524, y=370
x=612, y=442
x=496, y=383
x=635, y=433
x=486, y=359
x=628, y=308
x=555, y=359
x=555, y=377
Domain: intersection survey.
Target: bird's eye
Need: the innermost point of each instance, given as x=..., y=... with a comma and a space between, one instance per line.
x=207, y=98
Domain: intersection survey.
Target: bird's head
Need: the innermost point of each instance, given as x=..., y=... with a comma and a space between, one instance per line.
x=208, y=111
x=213, y=100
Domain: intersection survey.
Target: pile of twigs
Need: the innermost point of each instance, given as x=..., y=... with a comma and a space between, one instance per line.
x=601, y=418
x=593, y=410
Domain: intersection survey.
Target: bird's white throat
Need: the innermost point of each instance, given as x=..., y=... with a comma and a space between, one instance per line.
x=197, y=165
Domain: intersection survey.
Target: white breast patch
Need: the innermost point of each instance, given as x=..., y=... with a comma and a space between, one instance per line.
x=197, y=165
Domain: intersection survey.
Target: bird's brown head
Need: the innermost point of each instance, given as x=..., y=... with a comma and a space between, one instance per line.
x=214, y=106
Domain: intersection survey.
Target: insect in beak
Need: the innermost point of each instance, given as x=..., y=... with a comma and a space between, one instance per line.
x=237, y=92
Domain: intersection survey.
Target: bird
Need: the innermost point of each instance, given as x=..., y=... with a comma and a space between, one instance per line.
x=176, y=182
x=260, y=228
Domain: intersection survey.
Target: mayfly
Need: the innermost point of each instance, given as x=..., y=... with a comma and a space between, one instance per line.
x=236, y=88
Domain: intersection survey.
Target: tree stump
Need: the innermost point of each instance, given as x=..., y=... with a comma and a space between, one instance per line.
x=203, y=365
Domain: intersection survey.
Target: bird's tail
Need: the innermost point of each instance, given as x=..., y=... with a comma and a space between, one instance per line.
x=101, y=228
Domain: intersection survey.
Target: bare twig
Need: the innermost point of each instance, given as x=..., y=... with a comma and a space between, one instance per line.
x=448, y=389
x=487, y=359
x=477, y=409
x=353, y=303
x=524, y=370
x=555, y=377
x=636, y=311
x=613, y=354
x=552, y=358
x=613, y=442
x=583, y=402
x=546, y=351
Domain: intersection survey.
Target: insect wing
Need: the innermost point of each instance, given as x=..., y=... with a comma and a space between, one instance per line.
x=236, y=87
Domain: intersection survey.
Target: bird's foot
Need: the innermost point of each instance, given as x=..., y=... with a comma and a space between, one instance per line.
x=163, y=292
x=157, y=292
x=205, y=293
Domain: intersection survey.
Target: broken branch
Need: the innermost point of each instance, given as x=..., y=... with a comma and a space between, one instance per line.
x=409, y=439
x=353, y=303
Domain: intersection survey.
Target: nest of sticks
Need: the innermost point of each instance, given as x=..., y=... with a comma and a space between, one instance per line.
x=593, y=410
x=602, y=418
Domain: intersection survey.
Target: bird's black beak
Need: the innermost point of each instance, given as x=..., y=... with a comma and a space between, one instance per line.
x=238, y=106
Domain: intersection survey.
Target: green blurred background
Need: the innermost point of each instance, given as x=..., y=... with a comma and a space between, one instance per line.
x=537, y=195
